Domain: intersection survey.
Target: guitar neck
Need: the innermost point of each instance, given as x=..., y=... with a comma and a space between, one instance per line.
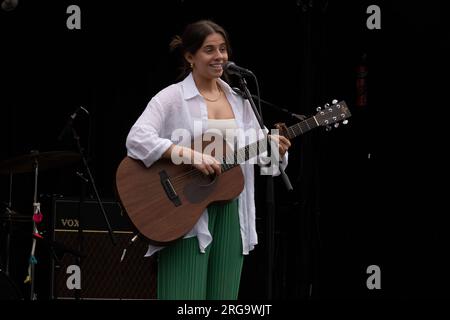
x=254, y=149
x=302, y=127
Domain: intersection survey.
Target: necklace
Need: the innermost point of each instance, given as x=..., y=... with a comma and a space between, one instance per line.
x=213, y=100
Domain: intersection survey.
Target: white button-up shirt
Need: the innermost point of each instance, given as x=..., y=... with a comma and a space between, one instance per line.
x=179, y=106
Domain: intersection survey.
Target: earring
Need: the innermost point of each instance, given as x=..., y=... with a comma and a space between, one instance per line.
x=191, y=65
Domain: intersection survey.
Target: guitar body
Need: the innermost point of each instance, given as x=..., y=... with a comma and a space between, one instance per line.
x=165, y=201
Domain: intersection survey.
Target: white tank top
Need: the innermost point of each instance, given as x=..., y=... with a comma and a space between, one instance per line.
x=222, y=124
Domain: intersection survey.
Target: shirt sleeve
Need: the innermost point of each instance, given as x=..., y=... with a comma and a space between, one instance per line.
x=144, y=141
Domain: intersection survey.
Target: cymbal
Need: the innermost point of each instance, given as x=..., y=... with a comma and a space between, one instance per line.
x=8, y=214
x=45, y=160
x=16, y=218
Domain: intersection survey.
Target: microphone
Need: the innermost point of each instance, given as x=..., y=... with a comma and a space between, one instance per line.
x=70, y=122
x=231, y=68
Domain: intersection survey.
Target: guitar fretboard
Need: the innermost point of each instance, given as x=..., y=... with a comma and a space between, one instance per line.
x=254, y=149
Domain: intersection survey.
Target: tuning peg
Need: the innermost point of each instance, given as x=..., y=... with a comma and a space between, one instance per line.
x=327, y=105
x=336, y=124
x=345, y=121
x=334, y=101
x=328, y=128
x=318, y=108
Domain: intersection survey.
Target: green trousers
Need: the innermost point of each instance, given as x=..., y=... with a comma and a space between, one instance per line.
x=186, y=273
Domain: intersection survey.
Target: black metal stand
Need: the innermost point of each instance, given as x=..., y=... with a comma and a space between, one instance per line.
x=270, y=104
x=9, y=226
x=81, y=203
x=270, y=199
x=36, y=209
x=94, y=187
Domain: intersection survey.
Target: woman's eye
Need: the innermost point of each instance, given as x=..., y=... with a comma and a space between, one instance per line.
x=210, y=50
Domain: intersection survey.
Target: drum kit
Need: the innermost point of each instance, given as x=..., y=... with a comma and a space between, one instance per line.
x=30, y=163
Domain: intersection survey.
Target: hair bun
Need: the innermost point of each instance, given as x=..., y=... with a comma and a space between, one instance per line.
x=176, y=43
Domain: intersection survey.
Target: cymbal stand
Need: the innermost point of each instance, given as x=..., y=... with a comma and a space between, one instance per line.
x=8, y=232
x=37, y=218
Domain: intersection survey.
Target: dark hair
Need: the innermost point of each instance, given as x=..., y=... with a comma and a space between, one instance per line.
x=192, y=39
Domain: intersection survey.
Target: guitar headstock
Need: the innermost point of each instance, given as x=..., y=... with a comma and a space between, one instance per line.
x=333, y=113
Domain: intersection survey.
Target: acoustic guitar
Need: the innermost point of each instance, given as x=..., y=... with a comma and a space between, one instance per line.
x=165, y=201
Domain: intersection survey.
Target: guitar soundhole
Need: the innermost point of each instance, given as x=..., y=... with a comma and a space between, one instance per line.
x=200, y=188
x=208, y=181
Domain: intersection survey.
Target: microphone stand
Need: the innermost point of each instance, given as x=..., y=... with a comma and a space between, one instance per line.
x=91, y=179
x=270, y=201
x=274, y=106
x=81, y=202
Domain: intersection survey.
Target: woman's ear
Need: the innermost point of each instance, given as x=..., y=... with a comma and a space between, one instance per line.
x=189, y=58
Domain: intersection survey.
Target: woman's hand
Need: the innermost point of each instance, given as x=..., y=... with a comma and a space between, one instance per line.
x=283, y=143
x=205, y=163
x=202, y=162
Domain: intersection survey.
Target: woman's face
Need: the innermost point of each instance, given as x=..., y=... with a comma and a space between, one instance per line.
x=208, y=60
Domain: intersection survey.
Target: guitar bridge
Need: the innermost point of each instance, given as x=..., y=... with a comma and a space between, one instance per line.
x=169, y=189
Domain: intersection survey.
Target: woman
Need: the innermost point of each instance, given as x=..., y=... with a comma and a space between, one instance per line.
x=207, y=262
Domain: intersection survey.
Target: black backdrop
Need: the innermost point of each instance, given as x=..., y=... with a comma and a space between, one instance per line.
x=364, y=194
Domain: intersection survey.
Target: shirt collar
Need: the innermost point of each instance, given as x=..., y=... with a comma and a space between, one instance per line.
x=190, y=89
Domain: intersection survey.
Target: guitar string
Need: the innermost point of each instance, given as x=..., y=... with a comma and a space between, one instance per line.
x=191, y=174
x=237, y=155
x=184, y=175
x=240, y=156
x=177, y=181
x=195, y=173
x=188, y=174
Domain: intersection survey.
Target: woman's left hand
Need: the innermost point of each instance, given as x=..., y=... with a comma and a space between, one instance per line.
x=283, y=143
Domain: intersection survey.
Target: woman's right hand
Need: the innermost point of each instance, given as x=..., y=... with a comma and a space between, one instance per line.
x=202, y=162
x=205, y=163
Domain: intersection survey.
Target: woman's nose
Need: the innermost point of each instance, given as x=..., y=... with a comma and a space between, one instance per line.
x=219, y=54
